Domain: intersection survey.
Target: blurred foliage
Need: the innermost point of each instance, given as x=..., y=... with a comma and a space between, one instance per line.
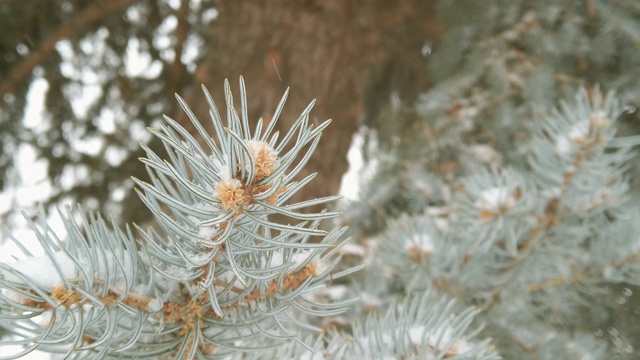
x=95, y=107
x=498, y=69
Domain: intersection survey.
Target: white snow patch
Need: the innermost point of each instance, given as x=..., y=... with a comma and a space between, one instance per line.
x=312, y=356
x=577, y=133
x=179, y=272
x=495, y=199
x=563, y=146
x=336, y=292
x=424, y=242
x=370, y=301
x=486, y=154
x=276, y=259
x=353, y=249
x=42, y=270
x=300, y=257
x=202, y=258
x=349, y=186
x=207, y=232
x=222, y=167
x=155, y=305
x=228, y=277
x=416, y=333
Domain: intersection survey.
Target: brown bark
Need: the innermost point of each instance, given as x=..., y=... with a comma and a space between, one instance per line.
x=328, y=50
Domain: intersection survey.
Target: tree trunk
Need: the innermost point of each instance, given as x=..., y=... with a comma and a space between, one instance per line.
x=327, y=50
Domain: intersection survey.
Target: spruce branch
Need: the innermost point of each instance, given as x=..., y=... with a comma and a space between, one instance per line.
x=217, y=277
x=422, y=326
x=532, y=244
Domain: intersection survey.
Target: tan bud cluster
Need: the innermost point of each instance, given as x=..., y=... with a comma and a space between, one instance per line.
x=230, y=193
x=265, y=157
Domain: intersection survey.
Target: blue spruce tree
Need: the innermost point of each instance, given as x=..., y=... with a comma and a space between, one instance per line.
x=496, y=218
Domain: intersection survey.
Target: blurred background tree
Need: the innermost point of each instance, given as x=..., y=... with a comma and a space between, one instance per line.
x=108, y=69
